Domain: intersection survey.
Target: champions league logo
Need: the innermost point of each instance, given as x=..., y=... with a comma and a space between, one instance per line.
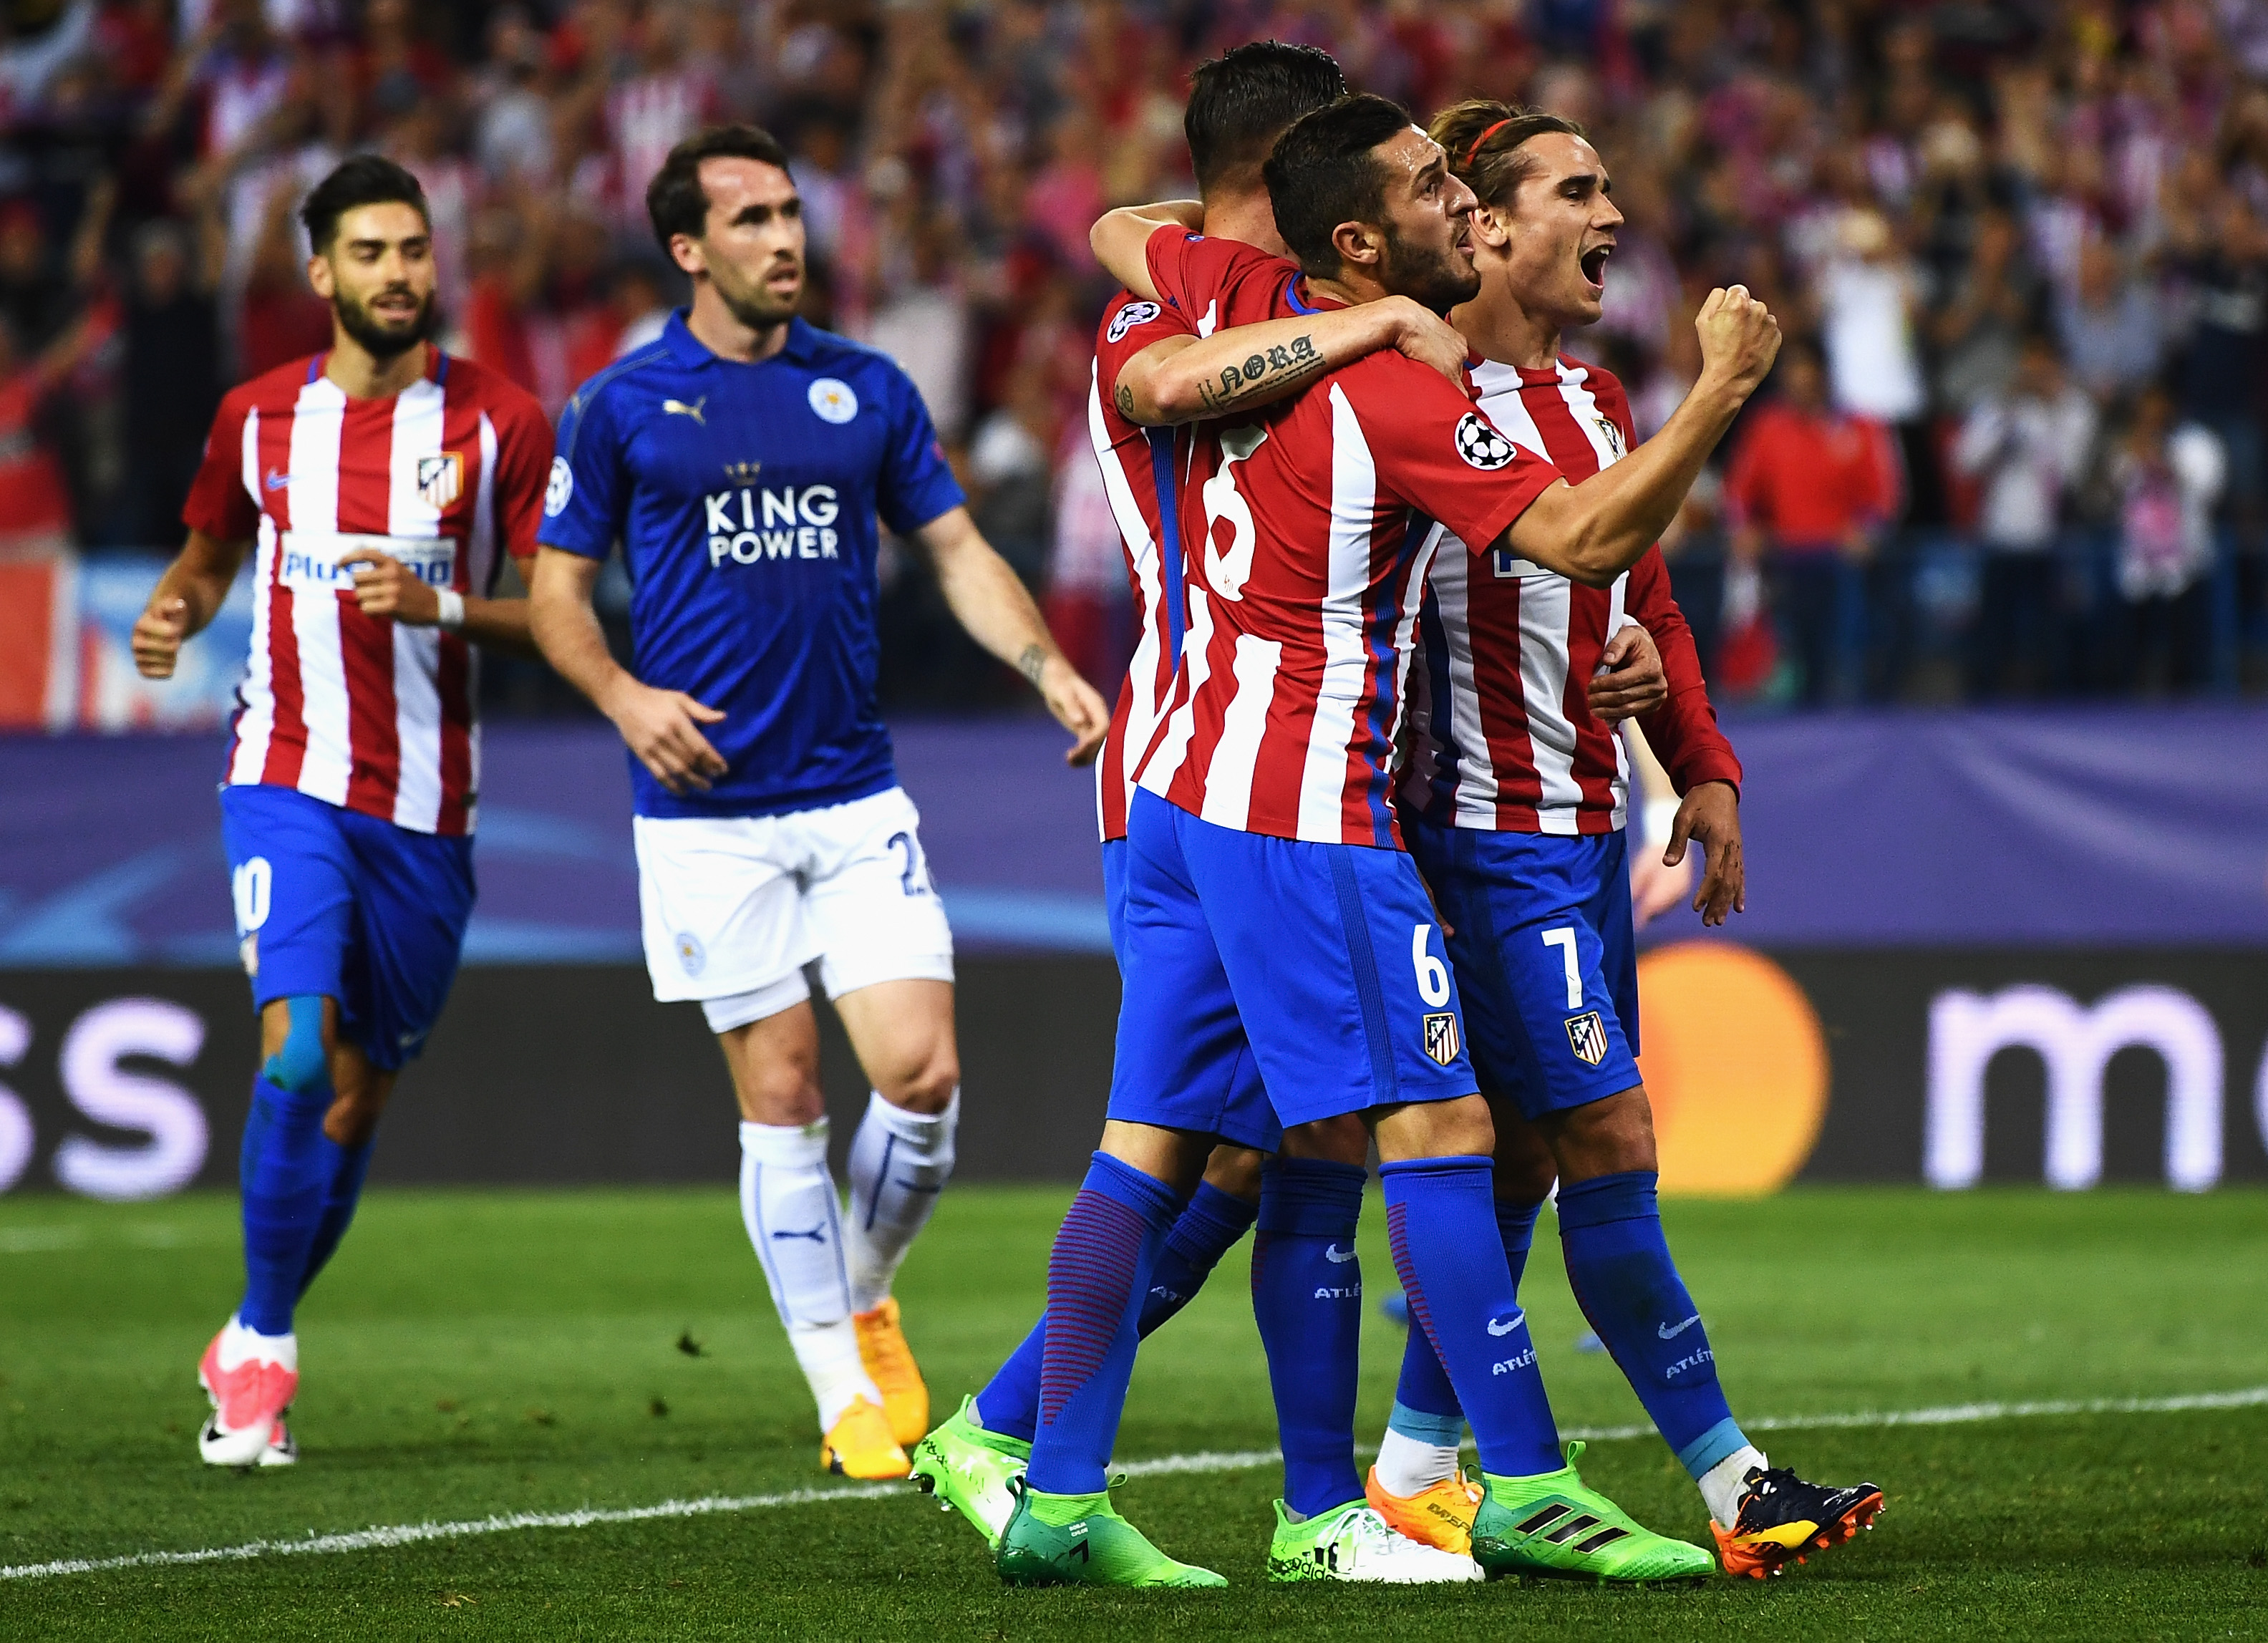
x=1132, y=314
x=1481, y=445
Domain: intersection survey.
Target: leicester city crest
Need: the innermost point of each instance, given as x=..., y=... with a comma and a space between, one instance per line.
x=1442, y=1039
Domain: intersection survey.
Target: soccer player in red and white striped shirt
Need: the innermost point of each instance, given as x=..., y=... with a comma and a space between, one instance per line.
x=379, y=486
x=1513, y=801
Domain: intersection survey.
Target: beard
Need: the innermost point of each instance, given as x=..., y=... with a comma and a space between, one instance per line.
x=1435, y=280
x=381, y=339
x=755, y=305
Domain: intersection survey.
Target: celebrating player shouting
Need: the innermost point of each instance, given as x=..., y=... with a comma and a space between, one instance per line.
x=742, y=461
x=1269, y=910
x=1513, y=804
x=1151, y=360
x=381, y=483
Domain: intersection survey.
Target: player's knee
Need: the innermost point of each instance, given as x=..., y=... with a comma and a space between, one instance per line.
x=301, y=1065
x=927, y=1086
x=1344, y=1139
x=1524, y=1167
x=1235, y=1170
x=1606, y=1137
x=1440, y=1128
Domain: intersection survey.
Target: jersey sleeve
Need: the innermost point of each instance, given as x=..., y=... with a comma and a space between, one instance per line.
x=1196, y=274
x=1130, y=325
x=220, y=504
x=1683, y=732
x=584, y=500
x=523, y=469
x=1432, y=448
x=917, y=482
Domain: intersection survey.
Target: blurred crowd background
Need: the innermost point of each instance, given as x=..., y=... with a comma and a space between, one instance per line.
x=2015, y=448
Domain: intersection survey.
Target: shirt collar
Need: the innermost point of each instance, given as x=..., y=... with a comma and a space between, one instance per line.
x=802, y=345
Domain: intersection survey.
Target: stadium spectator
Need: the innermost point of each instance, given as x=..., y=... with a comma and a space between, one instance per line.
x=2112, y=335
x=2169, y=474
x=1808, y=490
x=2028, y=447
x=170, y=377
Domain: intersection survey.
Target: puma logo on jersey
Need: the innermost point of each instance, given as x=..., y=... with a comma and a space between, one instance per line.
x=678, y=408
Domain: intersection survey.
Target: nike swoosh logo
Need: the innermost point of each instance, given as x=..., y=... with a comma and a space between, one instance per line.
x=1669, y=1334
x=1332, y=1254
x=1507, y=1326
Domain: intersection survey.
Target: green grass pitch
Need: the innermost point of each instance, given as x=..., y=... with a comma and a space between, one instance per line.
x=477, y=1353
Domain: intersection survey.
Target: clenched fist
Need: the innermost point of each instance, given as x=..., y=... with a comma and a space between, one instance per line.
x=1739, y=339
x=157, y=635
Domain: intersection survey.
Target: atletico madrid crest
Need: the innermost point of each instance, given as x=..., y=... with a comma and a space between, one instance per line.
x=440, y=479
x=1586, y=1037
x=1443, y=1040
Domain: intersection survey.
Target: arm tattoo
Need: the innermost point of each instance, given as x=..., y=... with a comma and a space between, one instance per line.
x=1279, y=368
x=1032, y=662
x=1126, y=401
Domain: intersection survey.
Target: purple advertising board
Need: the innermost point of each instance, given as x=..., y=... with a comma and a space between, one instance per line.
x=2103, y=828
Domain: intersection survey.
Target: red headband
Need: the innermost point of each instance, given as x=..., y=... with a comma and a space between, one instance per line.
x=1473, y=152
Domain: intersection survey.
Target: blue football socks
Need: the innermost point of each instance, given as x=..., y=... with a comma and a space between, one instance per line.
x=1618, y=1264
x=1307, y=1296
x=1425, y=1408
x=285, y=1173
x=1206, y=1229
x=1440, y=1222
x=1097, y=1278
x=348, y=1166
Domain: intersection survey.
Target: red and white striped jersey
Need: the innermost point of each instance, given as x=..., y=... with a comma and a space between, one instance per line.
x=1501, y=735
x=1139, y=476
x=445, y=476
x=1309, y=527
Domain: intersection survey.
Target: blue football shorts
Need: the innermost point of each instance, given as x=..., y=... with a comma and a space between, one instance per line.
x=334, y=903
x=1316, y=966
x=1546, y=956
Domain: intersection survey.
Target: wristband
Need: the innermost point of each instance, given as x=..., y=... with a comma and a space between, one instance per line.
x=452, y=618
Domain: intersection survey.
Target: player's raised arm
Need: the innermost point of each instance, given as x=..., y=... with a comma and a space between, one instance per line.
x=1592, y=532
x=992, y=606
x=1193, y=380
x=1120, y=238
x=187, y=597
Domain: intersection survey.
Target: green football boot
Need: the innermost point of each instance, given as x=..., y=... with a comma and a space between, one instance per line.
x=971, y=1470
x=1079, y=1540
x=1353, y=1543
x=1556, y=1526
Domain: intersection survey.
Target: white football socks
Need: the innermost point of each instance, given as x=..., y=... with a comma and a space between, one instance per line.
x=1409, y=1466
x=238, y=1344
x=1723, y=1484
x=788, y=1205
x=900, y=1163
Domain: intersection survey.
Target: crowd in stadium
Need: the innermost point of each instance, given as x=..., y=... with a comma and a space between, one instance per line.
x=2016, y=445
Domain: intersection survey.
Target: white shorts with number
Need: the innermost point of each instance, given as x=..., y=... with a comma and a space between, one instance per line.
x=734, y=907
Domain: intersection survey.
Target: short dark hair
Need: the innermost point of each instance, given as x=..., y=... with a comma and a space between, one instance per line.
x=674, y=199
x=1323, y=173
x=366, y=180
x=1483, y=139
x=1240, y=101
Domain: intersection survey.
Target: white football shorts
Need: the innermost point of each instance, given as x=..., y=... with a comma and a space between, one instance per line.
x=734, y=907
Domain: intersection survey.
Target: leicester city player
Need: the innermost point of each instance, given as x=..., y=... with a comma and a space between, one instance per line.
x=377, y=486
x=742, y=461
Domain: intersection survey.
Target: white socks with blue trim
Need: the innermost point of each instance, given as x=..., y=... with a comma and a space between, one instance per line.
x=900, y=1163
x=789, y=1206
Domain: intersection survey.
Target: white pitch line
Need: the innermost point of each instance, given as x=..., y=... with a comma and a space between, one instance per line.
x=1207, y=1460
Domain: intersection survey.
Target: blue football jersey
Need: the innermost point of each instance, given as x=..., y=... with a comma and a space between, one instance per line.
x=745, y=498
